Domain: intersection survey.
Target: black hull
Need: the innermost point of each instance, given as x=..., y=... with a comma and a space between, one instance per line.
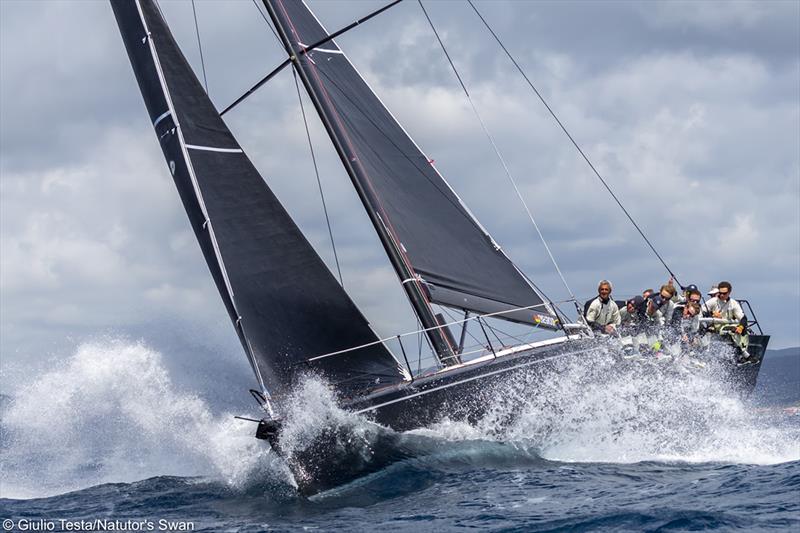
x=460, y=393
x=463, y=393
x=745, y=376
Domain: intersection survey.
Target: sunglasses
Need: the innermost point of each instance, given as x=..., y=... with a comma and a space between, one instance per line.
x=720, y=293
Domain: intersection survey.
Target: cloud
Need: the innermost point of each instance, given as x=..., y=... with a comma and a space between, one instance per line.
x=713, y=16
x=695, y=129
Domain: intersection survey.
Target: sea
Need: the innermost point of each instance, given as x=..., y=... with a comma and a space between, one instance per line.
x=108, y=440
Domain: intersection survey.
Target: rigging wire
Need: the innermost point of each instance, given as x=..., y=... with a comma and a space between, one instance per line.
x=499, y=155
x=572, y=139
x=319, y=182
x=419, y=348
x=266, y=78
x=304, y=50
x=311, y=149
x=516, y=338
x=455, y=319
x=263, y=16
x=365, y=115
x=200, y=46
x=463, y=210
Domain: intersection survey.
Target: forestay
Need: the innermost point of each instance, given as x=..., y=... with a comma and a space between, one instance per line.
x=444, y=244
x=284, y=302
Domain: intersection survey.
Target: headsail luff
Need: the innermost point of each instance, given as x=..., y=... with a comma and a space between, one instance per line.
x=439, y=239
x=284, y=302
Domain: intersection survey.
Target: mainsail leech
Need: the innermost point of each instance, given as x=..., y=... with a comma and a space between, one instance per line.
x=439, y=242
x=285, y=304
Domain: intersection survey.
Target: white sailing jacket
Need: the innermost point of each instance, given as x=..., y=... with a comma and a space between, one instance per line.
x=730, y=310
x=603, y=314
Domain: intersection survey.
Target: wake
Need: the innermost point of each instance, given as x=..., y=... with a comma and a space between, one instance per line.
x=110, y=413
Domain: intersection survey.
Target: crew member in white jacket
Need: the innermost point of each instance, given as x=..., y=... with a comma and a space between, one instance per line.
x=603, y=313
x=723, y=306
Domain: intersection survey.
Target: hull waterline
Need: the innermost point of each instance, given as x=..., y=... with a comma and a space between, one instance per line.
x=463, y=393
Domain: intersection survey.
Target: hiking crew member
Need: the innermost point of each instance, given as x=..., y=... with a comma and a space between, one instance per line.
x=660, y=306
x=687, y=292
x=633, y=315
x=689, y=319
x=688, y=326
x=724, y=307
x=634, y=324
x=690, y=294
x=713, y=292
x=693, y=295
x=603, y=313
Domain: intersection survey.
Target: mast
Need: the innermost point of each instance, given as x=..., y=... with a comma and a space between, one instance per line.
x=412, y=283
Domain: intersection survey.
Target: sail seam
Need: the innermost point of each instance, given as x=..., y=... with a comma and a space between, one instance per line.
x=326, y=50
x=215, y=149
x=195, y=185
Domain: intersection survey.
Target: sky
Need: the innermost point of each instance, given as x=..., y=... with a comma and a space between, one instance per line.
x=690, y=110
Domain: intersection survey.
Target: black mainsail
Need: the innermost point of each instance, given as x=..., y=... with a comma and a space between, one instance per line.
x=284, y=302
x=440, y=251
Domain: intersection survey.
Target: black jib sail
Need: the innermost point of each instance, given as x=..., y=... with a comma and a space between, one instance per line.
x=418, y=213
x=284, y=302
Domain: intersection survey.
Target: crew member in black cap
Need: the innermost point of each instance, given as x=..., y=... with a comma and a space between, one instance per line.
x=633, y=316
x=690, y=294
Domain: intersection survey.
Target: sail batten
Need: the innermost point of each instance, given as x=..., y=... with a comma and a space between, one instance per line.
x=439, y=240
x=284, y=303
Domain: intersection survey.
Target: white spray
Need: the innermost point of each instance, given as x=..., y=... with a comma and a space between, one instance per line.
x=110, y=413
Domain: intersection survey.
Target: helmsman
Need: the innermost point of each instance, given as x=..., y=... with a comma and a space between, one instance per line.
x=603, y=313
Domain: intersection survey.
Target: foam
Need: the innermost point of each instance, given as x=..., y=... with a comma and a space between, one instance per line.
x=110, y=413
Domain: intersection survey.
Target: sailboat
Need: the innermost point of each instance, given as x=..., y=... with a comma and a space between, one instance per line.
x=292, y=316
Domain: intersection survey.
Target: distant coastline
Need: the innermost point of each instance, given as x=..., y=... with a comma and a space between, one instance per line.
x=785, y=352
x=779, y=381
